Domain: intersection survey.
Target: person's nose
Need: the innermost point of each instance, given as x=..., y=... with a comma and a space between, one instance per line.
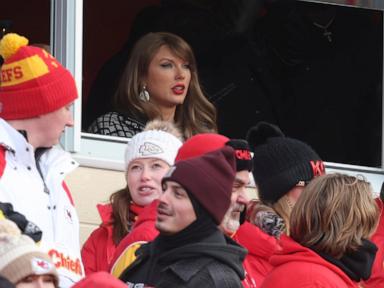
x=70, y=121
x=39, y=283
x=180, y=73
x=145, y=174
x=243, y=196
x=164, y=197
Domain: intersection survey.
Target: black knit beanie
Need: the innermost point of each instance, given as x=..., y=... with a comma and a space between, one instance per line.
x=242, y=154
x=203, y=143
x=279, y=162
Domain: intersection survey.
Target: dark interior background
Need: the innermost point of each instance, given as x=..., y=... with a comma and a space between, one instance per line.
x=257, y=60
x=30, y=18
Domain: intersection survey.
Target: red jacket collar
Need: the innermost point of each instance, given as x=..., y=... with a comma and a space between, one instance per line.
x=105, y=211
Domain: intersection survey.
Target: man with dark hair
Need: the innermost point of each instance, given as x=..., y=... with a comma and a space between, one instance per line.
x=190, y=250
x=233, y=224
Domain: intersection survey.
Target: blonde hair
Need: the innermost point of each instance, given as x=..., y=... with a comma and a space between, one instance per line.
x=333, y=214
x=195, y=115
x=283, y=207
x=165, y=126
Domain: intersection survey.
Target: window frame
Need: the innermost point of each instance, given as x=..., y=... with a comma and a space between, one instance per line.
x=107, y=152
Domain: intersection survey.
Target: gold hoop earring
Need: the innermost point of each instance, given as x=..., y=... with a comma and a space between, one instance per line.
x=144, y=95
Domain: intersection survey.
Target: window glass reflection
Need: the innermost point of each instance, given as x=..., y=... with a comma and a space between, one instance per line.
x=313, y=69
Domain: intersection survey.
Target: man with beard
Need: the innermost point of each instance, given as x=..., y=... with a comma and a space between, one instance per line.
x=234, y=224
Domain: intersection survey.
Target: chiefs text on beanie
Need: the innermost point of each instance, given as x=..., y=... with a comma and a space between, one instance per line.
x=32, y=81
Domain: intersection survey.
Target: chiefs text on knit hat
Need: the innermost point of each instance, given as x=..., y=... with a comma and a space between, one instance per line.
x=209, y=178
x=280, y=162
x=202, y=143
x=32, y=81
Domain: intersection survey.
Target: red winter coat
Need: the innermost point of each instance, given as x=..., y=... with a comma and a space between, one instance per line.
x=100, y=279
x=377, y=276
x=99, y=249
x=142, y=231
x=261, y=247
x=298, y=266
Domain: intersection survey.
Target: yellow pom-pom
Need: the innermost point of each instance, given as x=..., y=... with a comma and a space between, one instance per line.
x=11, y=43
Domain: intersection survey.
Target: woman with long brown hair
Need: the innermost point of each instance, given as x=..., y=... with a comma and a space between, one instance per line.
x=160, y=81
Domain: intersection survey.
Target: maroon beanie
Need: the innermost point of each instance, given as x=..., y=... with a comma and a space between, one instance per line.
x=209, y=178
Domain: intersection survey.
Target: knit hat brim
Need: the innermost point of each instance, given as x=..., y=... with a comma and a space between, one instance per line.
x=25, y=261
x=41, y=100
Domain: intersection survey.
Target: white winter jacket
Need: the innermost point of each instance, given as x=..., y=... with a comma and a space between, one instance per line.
x=48, y=205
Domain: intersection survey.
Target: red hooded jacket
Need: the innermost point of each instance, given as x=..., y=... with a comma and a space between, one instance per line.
x=299, y=267
x=261, y=247
x=100, y=279
x=377, y=277
x=142, y=231
x=99, y=249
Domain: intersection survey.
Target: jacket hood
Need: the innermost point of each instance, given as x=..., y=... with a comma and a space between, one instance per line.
x=100, y=280
x=257, y=242
x=12, y=140
x=105, y=211
x=291, y=251
x=8, y=135
x=148, y=213
x=217, y=246
x=380, y=228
